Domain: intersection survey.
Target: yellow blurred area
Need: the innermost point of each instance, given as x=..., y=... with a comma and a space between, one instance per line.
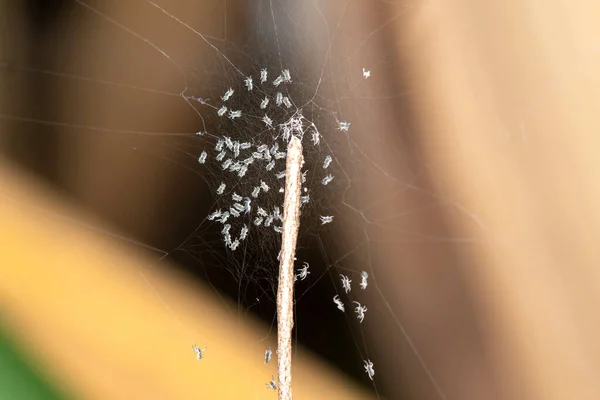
x=100, y=317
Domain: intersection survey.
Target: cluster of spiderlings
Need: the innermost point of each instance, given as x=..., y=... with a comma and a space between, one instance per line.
x=255, y=122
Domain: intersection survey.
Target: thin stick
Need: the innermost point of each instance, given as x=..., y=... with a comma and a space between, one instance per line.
x=285, y=291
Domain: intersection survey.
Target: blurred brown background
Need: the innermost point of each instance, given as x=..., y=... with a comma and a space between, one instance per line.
x=497, y=127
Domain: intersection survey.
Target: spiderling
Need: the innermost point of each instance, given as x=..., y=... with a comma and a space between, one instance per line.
x=327, y=179
x=302, y=272
x=264, y=103
x=338, y=303
x=235, y=114
x=199, y=352
x=227, y=94
x=363, y=282
x=369, y=368
x=272, y=384
x=278, y=81
x=248, y=83
x=346, y=283
x=360, y=311
x=326, y=219
x=344, y=126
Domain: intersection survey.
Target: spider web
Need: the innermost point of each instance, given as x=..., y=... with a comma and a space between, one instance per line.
x=340, y=89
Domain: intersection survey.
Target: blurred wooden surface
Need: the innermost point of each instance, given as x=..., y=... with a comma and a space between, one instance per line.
x=101, y=318
x=508, y=116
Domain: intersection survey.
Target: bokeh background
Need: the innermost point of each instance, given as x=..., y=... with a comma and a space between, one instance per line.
x=502, y=117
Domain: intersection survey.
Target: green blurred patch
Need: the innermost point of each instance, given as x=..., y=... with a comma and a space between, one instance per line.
x=19, y=378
